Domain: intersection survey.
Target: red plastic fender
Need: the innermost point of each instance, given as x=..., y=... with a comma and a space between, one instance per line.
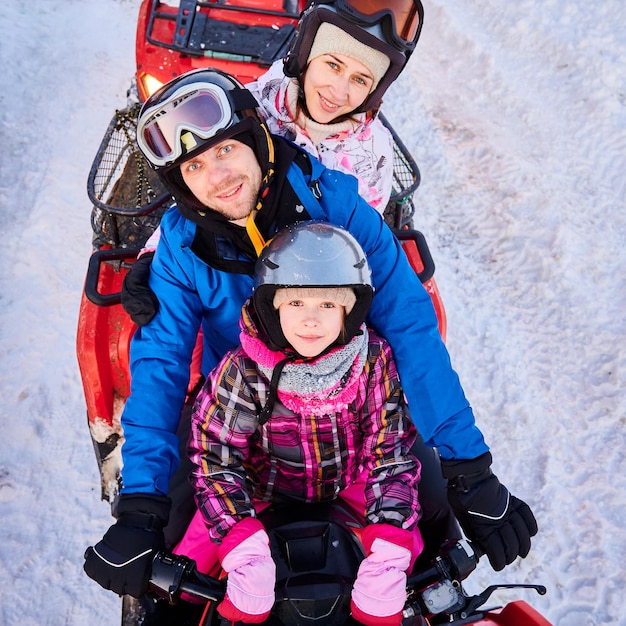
x=517, y=613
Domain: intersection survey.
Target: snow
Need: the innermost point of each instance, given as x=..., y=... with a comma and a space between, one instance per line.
x=516, y=115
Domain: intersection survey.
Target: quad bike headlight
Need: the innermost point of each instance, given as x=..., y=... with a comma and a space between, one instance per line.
x=148, y=84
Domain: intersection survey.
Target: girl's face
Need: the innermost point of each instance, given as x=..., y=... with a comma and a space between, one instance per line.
x=335, y=85
x=311, y=324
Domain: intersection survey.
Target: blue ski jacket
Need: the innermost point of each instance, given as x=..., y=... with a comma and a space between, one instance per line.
x=193, y=294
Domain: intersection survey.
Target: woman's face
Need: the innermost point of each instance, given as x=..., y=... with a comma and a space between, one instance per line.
x=335, y=85
x=310, y=324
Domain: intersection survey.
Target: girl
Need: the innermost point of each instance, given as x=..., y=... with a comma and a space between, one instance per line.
x=308, y=408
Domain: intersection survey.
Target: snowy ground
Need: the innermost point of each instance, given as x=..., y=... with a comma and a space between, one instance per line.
x=516, y=114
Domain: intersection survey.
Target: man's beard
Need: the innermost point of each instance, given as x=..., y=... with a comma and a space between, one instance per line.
x=244, y=205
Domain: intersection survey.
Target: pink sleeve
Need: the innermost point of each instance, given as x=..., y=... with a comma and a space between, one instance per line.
x=151, y=244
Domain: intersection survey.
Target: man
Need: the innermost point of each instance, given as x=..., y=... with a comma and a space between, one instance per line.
x=235, y=187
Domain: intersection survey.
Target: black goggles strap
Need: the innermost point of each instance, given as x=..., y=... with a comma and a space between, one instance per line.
x=243, y=99
x=383, y=13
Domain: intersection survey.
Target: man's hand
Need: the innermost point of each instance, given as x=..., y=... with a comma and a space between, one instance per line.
x=122, y=560
x=138, y=300
x=498, y=522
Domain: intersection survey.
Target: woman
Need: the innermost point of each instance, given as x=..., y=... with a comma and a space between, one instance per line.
x=326, y=93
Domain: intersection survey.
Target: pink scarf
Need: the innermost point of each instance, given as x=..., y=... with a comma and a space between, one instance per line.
x=316, y=387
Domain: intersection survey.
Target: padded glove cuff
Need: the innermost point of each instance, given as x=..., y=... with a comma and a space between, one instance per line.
x=150, y=511
x=388, y=532
x=465, y=474
x=241, y=531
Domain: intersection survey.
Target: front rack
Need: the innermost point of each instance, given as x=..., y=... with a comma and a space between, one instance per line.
x=196, y=33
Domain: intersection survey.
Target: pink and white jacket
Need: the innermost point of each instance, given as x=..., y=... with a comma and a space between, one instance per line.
x=335, y=418
x=361, y=146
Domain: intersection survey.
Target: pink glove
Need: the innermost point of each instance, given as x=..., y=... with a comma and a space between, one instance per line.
x=379, y=591
x=245, y=557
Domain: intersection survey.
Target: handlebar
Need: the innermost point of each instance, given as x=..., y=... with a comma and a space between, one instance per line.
x=456, y=561
x=175, y=574
x=437, y=590
x=431, y=592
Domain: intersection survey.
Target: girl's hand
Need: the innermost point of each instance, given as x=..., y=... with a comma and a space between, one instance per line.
x=245, y=556
x=379, y=591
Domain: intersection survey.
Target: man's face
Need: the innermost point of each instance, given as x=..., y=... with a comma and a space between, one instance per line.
x=226, y=178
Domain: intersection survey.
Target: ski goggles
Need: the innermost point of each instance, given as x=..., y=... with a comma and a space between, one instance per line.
x=202, y=109
x=401, y=20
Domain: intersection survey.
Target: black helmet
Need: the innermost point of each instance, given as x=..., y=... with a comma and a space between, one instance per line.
x=392, y=27
x=190, y=114
x=311, y=254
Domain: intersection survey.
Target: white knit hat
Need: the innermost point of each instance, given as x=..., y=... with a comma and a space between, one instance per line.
x=331, y=39
x=341, y=295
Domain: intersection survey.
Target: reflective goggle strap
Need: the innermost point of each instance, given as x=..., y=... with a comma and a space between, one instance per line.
x=253, y=232
x=251, y=228
x=270, y=145
x=270, y=154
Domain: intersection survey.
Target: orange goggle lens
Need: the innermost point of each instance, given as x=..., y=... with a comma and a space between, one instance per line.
x=407, y=14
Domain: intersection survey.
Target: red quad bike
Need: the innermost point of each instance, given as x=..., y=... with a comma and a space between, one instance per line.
x=316, y=548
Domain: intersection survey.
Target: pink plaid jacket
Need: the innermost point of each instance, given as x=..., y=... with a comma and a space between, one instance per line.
x=301, y=456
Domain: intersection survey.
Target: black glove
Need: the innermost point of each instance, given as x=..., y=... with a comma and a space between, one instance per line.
x=122, y=561
x=497, y=521
x=138, y=300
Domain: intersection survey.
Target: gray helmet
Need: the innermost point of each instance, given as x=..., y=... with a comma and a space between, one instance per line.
x=311, y=254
